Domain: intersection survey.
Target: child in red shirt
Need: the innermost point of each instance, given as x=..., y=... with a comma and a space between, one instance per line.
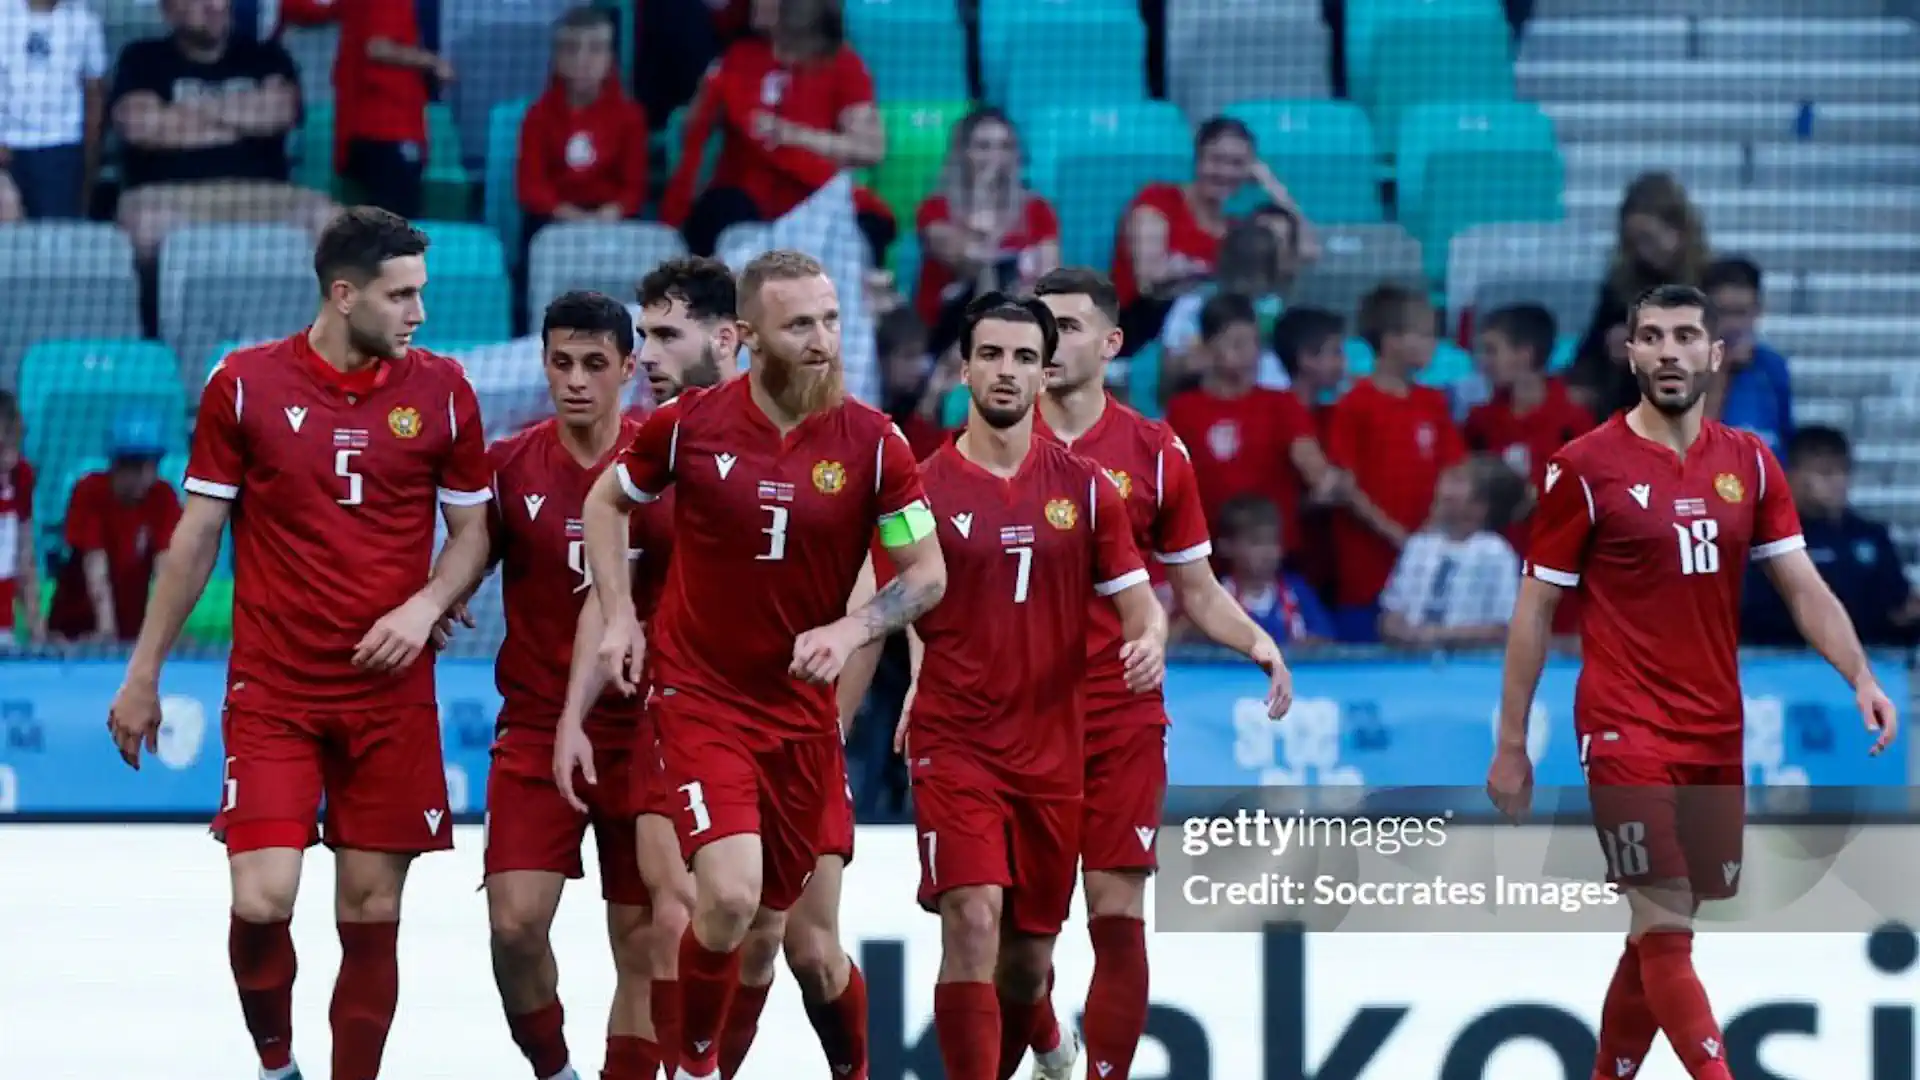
x=119, y=522
x=383, y=78
x=19, y=564
x=1310, y=344
x=583, y=144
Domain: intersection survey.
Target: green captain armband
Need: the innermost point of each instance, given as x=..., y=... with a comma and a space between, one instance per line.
x=908, y=525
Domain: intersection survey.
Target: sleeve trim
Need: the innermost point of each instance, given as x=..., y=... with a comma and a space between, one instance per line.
x=1784, y=546
x=1551, y=576
x=450, y=497
x=627, y=485
x=1122, y=583
x=212, y=490
x=1185, y=555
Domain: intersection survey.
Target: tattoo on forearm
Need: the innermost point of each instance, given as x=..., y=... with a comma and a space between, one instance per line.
x=896, y=605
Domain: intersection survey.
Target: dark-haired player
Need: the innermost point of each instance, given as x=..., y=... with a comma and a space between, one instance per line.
x=1126, y=766
x=329, y=452
x=779, y=482
x=541, y=477
x=1652, y=518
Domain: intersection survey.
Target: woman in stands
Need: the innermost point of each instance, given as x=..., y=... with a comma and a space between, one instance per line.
x=982, y=230
x=1660, y=242
x=794, y=106
x=1170, y=234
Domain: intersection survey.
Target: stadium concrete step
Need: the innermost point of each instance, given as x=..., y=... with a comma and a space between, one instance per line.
x=1807, y=39
x=1743, y=121
x=1859, y=294
x=1666, y=82
x=1726, y=9
x=1802, y=336
x=1839, y=252
x=1613, y=165
x=1584, y=39
x=1885, y=420
x=1743, y=209
x=1856, y=377
x=1893, y=504
x=1828, y=412
x=1794, y=164
x=1885, y=463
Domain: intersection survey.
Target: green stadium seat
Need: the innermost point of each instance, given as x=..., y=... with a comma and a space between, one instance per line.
x=449, y=188
x=70, y=392
x=917, y=138
x=1106, y=63
x=468, y=296
x=313, y=149
x=1324, y=152
x=502, y=189
x=1365, y=17
x=1090, y=22
x=1143, y=381
x=916, y=49
x=1431, y=59
x=211, y=621
x=1090, y=162
x=1464, y=165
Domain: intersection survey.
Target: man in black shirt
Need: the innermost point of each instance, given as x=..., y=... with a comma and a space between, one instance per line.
x=204, y=116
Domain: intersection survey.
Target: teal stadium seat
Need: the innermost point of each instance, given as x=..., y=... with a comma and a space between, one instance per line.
x=916, y=49
x=1324, y=152
x=1041, y=23
x=1090, y=162
x=71, y=390
x=502, y=197
x=226, y=282
x=468, y=297
x=63, y=279
x=1365, y=17
x=1451, y=364
x=1435, y=59
x=1464, y=165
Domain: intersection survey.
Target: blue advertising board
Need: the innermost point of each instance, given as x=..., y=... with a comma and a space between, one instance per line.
x=1387, y=723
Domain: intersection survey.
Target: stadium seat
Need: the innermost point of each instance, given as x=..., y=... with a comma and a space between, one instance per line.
x=1451, y=364
x=1324, y=152
x=63, y=280
x=1366, y=17
x=502, y=188
x=609, y=258
x=1092, y=161
x=916, y=49
x=1064, y=30
x=903, y=260
x=448, y=186
x=1354, y=259
x=504, y=57
x=123, y=22
x=468, y=298
x=917, y=139
x=1463, y=165
x=311, y=146
x=1558, y=266
x=1431, y=59
x=742, y=243
x=70, y=392
x=211, y=621
x=1223, y=51
x=225, y=282
x=313, y=49
x=1106, y=64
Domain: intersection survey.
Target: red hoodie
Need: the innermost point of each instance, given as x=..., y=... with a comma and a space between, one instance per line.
x=585, y=157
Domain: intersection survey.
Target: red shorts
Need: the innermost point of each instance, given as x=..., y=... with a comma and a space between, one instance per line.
x=1126, y=786
x=647, y=789
x=724, y=787
x=1662, y=822
x=380, y=770
x=974, y=833
x=531, y=827
x=836, y=824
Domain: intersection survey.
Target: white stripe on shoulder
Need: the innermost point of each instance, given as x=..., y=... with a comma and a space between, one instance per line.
x=1586, y=490
x=673, y=454
x=1160, y=478
x=453, y=419
x=1760, y=468
x=1093, y=501
x=239, y=399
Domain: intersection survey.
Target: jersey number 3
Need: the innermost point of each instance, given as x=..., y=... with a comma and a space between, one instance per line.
x=1699, y=542
x=776, y=534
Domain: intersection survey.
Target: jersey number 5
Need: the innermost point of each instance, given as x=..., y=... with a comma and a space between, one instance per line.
x=1699, y=546
x=343, y=468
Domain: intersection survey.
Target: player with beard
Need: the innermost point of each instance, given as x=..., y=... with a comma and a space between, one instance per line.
x=1652, y=518
x=1126, y=766
x=329, y=452
x=780, y=482
x=1035, y=536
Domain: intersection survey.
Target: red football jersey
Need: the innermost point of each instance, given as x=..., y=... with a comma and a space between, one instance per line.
x=130, y=535
x=1657, y=546
x=1038, y=225
x=539, y=494
x=769, y=534
x=1002, y=679
x=1191, y=248
x=16, y=518
x=335, y=481
x=1244, y=446
x=1150, y=466
x=1396, y=448
x=1526, y=440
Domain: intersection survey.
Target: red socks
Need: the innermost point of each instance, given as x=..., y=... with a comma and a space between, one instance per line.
x=1677, y=1000
x=742, y=1024
x=364, y=997
x=1116, y=1016
x=707, y=981
x=1017, y=1022
x=541, y=1037
x=630, y=1057
x=1627, y=1028
x=663, y=1004
x=841, y=1025
x=966, y=1021
x=1046, y=1026
x=263, y=970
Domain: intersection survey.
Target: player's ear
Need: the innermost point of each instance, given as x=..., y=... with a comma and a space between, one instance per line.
x=1716, y=353
x=1110, y=348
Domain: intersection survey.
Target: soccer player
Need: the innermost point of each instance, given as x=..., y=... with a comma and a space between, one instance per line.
x=993, y=733
x=1652, y=518
x=328, y=452
x=541, y=479
x=780, y=482
x=1126, y=764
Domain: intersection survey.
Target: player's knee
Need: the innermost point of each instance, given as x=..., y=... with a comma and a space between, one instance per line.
x=970, y=924
x=264, y=887
x=728, y=904
x=633, y=954
x=1022, y=973
x=518, y=930
x=1116, y=895
x=812, y=955
x=759, y=952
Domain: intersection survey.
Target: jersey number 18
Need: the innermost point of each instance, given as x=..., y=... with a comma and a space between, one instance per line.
x=1699, y=542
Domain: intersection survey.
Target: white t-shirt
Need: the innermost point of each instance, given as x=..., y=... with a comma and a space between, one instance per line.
x=1444, y=582
x=45, y=59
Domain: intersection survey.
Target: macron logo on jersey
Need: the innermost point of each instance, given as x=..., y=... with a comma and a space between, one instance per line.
x=296, y=415
x=964, y=523
x=1146, y=837
x=1553, y=476
x=725, y=462
x=1641, y=493
x=534, y=503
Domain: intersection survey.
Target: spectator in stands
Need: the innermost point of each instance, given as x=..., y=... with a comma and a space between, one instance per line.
x=19, y=564
x=1454, y=584
x=1395, y=437
x=1169, y=237
x=583, y=144
x=1531, y=414
x=1249, y=267
x=982, y=229
x=119, y=523
x=1243, y=438
x=53, y=58
x=1310, y=344
x=1757, y=391
x=1661, y=241
x=794, y=108
x=915, y=390
x=204, y=116
x=1290, y=239
x=384, y=75
x=1855, y=555
x=1252, y=553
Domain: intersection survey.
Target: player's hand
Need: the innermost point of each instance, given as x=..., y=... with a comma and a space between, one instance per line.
x=623, y=653
x=820, y=653
x=1279, y=678
x=1145, y=663
x=1878, y=713
x=1510, y=781
x=900, y=735
x=134, y=719
x=443, y=630
x=396, y=641
x=572, y=753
